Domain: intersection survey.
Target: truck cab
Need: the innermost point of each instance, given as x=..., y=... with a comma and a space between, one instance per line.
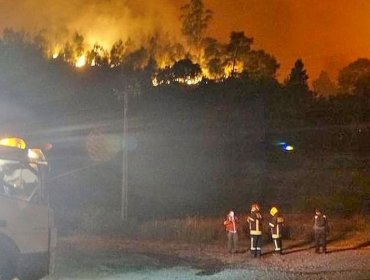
x=27, y=233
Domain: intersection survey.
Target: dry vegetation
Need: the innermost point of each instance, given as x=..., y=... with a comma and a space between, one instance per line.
x=346, y=231
x=210, y=230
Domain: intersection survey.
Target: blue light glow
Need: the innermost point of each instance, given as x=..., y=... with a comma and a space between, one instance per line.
x=288, y=148
x=285, y=146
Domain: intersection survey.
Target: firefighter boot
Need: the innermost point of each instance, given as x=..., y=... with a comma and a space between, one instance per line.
x=258, y=253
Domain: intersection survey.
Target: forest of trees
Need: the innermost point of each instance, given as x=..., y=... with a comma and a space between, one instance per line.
x=202, y=145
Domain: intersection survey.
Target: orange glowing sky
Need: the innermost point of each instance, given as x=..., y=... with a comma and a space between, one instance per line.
x=326, y=34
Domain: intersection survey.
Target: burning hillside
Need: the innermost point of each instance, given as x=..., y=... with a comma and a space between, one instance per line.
x=171, y=41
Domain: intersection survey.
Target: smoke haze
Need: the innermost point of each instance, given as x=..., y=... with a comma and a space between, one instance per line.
x=327, y=35
x=102, y=21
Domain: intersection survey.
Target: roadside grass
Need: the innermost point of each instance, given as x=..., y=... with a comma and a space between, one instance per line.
x=200, y=229
x=345, y=231
x=190, y=229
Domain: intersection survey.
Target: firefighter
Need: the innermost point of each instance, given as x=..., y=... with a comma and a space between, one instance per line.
x=276, y=226
x=231, y=224
x=255, y=230
x=320, y=228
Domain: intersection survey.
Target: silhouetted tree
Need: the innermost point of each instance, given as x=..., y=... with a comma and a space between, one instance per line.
x=350, y=75
x=98, y=56
x=27, y=76
x=362, y=87
x=260, y=65
x=117, y=53
x=78, y=44
x=137, y=59
x=214, y=55
x=298, y=77
x=237, y=49
x=185, y=69
x=164, y=75
x=67, y=53
x=175, y=52
x=297, y=98
x=195, y=19
x=163, y=50
x=323, y=86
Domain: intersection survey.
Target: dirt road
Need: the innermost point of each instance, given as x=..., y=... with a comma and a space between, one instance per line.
x=114, y=258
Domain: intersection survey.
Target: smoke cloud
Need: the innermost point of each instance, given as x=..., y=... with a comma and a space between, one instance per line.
x=102, y=21
x=327, y=35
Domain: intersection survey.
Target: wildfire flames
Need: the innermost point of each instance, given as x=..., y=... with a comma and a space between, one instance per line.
x=81, y=61
x=112, y=34
x=81, y=55
x=286, y=29
x=187, y=81
x=135, y=36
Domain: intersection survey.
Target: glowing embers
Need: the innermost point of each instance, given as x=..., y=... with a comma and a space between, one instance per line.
x=156, y=81
x=190, y=81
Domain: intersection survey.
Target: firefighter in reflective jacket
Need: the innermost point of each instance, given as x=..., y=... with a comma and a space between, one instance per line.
x=276, y=225
x=255, y=230
x=231, y=224
x=320, y=228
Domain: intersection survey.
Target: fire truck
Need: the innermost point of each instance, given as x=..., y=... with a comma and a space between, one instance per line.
x=27, y=232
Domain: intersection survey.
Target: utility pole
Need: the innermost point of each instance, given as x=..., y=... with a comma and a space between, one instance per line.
x=124, y=199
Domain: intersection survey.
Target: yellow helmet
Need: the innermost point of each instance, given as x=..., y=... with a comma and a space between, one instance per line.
x=273, y=211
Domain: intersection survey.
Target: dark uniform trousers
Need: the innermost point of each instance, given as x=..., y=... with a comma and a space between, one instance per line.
x=256, y=244
x=320, y=239
x=276, y=228
x=255, y=231
x=320, y=230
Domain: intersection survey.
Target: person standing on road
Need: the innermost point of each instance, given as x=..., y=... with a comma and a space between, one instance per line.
x=255, y=230
x=320, y=228
x=231, y=224
x=276, y=226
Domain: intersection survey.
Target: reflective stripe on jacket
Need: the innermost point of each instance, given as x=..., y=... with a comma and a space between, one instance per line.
x=255, y=223
x=276, y=225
